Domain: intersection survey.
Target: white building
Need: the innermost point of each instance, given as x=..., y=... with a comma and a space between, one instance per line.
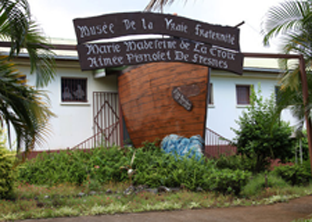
x=77, y=98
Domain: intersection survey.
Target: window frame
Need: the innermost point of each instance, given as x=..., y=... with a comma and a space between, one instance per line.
x=85, y=90
x=210, y=94
x=239, y=97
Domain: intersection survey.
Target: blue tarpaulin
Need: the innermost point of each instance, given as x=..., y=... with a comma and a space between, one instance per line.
x=182, y=146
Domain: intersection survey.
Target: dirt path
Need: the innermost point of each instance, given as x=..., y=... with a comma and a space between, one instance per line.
x=280, y=212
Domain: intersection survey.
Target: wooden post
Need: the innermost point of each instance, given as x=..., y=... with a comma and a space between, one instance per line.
x=305, y=94
x=120, y=124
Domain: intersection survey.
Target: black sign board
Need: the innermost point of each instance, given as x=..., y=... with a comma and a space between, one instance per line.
x=94, y=56
x=181, y=99
x=122, y=24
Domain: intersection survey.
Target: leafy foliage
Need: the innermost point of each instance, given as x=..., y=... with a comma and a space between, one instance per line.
x=295, y=174
x=17, y=26
x=261, y=134
x=290, y=22
x=75, y=167
x=151, y=167
x=7, y=172
x=226, y=181
x=23, y=107
x=235, y=162
x=262, y=181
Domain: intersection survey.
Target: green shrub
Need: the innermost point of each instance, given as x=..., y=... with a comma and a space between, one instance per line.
x=7, y=172
x=157, y=168
x=259, y=183
x=236, y=162
x=149, y=165
x=226, y=181
x=75, y=166
x=295, y=174
x=262, y=135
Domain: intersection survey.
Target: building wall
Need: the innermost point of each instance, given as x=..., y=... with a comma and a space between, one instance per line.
x=224, y=110
x=74, y=121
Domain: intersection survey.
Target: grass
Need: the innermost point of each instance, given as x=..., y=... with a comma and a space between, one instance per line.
x=67, y=200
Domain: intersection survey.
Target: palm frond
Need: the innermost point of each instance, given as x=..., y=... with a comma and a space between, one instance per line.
x=17, y=26
x=22, y=107
x=285, y=17
x=158, y=4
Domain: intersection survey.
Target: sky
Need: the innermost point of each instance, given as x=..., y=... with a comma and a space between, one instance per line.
x=55, y=17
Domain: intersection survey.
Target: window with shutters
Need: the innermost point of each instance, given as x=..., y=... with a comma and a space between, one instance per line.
x=243, y=94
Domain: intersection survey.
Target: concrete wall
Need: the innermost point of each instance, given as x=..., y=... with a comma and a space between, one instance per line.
x=74, y=120
x=224, y=111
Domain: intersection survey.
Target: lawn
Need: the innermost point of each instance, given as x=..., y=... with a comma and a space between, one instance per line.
x=65, y=200
x=115, y=180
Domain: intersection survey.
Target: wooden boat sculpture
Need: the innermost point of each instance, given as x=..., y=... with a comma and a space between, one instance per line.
x=158, y=99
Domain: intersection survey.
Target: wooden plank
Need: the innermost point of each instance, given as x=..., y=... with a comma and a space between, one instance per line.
x=94, y=56
x=149, y=110
x=133, y=23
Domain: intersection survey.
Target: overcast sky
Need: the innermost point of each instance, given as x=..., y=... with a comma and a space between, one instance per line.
x=55, y=17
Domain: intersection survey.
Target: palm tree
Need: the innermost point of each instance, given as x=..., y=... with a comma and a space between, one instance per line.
x=158, y=4
x=291, y=23
x=17, y=26
x=21, y=106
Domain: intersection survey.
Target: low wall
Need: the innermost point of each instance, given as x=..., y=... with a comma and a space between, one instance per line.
x=214, y=151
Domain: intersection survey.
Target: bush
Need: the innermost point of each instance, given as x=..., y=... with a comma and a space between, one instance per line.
x=149, y=166
x=262, y=135
x=295, y=174
x=75, y=166
x=235, y=162
x=259, y=183
x=226, y=181
x=7, y=172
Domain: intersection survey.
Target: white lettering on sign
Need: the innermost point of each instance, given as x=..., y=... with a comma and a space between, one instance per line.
x=129, y=24
x=86, y=31
x=209, y=34
x=149, y=45
x=181, y=99
x=172, y=26
x=200, y=48
x=147, y=25
x=208, y=61
x=147, y=57
x=181, y=56
x=105, y=61
x=157, y=50
x=222, y=54
x=102, y=49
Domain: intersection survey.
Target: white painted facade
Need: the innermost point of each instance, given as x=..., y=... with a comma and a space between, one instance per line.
x=74, y=121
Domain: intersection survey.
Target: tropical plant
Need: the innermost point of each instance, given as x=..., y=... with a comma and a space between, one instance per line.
x=157, y=4
x=261, y=135
x=17, y=26
x=291, y=23
x=295, y=174
x=7, y=172
x=21, y=106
